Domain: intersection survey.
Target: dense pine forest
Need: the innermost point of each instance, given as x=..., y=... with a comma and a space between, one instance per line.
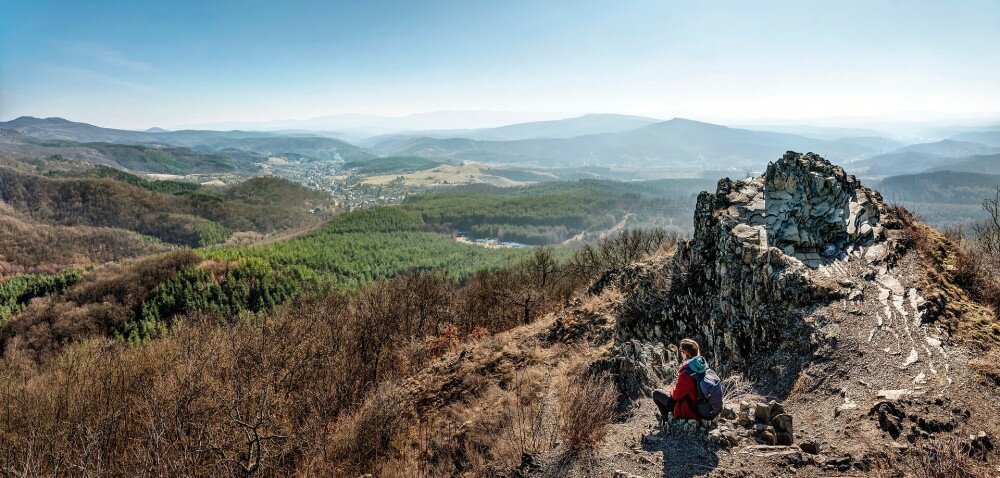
x=552, y=213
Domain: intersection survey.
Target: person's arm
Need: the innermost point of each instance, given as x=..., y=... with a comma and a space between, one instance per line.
x=684, y=388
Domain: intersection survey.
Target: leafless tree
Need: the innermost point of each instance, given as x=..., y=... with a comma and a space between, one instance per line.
x=987, y=231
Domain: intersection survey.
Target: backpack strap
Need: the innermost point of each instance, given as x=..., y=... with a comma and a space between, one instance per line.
x=697, y=377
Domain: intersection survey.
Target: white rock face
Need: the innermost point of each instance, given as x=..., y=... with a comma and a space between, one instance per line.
x=749, y=261
x=805, y=206
x=735, y=286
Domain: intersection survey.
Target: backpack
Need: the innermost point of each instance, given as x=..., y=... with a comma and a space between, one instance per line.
x=708, y=389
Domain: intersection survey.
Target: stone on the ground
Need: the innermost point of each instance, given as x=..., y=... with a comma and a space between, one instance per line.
x=624, y=474
x=769, y=436
x=811, y=447
x=774, y=409
x=762, y=413
x=846, y=407
x=978, y=445
x=893, y=395
x=890, y=417
x=783, y=430
x=743, y=418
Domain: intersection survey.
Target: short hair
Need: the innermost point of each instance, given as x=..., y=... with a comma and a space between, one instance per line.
x=691, y=347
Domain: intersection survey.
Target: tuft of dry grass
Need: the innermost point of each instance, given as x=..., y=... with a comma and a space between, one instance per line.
x=736, y=388
x=942, y=459
x=987, y=366
x=587, y=407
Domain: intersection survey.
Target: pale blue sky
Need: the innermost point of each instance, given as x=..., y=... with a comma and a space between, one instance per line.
x=138, y=64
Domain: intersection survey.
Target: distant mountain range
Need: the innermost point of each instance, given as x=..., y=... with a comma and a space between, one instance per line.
x=820, y=132
x=989, y=138
x=673, y=143
x=356, y=126
x=949, y=154
x=563, y=128
x=258, y=143
x=591, y=140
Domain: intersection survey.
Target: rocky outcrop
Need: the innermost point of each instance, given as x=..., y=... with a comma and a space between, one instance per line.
x=738, y=284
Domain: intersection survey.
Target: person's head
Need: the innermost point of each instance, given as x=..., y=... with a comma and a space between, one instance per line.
x=689, y=348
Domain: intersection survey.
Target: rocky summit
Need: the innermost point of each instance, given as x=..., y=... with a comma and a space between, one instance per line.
x=757, y=243
x=803, y=205
x=804, y=284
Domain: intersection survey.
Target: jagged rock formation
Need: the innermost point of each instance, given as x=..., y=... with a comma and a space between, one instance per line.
x=738, y=282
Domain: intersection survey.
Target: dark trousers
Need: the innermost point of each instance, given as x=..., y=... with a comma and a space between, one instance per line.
x=664, y=402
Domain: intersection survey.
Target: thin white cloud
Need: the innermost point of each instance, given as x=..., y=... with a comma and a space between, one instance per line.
x=10, y=94
x=105, y=55
x=90, y=75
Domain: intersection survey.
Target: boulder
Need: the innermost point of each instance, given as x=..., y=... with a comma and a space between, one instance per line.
x=890, y=417
x=762, y=413
x=811, y=447
x=783, y=430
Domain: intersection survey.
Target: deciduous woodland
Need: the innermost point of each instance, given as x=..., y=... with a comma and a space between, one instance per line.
x=193, y=365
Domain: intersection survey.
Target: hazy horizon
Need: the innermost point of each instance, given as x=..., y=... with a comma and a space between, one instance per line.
x=140, y=65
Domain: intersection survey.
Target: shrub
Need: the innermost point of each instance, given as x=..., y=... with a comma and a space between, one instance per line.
x=365, y=436
x=587, y=407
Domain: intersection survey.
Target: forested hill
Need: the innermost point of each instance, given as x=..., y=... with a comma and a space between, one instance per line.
x=947, y=187
x=140, y=158
x=192, y=217
x=555, y=212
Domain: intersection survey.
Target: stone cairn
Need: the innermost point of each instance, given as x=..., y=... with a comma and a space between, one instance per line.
x=763, y=423
x=736, y=284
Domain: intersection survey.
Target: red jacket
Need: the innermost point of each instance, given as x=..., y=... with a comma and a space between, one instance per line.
x=685, y=395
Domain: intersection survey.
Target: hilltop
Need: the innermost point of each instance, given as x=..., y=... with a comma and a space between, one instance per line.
x=97, y=214
x=805, y=289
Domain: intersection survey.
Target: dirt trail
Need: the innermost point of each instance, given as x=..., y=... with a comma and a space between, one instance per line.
x=579, y=238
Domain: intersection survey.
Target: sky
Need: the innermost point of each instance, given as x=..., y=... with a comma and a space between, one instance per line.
x=135, y=64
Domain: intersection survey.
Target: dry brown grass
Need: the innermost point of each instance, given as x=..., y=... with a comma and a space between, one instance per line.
x=364, y=438
x=587, y=406
x=526, y=422
x=963, y=290
x=987, y=366
x=942, y=459
x=736, y=388
x=293, y=392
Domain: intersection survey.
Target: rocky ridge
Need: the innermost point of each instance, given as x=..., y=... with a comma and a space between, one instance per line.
x=848, y=365
x=808, y=284
x=757, y=246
